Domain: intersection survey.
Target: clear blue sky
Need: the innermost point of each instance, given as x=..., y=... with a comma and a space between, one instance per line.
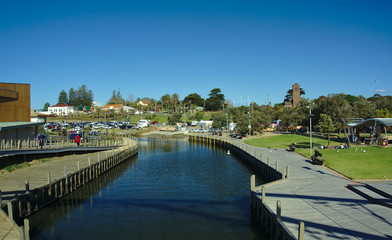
x=150, y=48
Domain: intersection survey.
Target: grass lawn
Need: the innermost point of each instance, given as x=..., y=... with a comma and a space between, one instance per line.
x=358, y=162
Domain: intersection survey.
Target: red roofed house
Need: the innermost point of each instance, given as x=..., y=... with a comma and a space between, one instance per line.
x=61, y=109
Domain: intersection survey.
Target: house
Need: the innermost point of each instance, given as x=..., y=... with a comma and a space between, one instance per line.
x=143, y=103
x=117, y=108
x=112, y=107
x=61, y=109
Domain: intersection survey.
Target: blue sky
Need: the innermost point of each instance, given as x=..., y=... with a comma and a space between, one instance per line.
x=249, y=49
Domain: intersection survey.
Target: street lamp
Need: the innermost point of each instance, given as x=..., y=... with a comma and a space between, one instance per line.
x=310, y=123
x=249, y=126
x=227, y=122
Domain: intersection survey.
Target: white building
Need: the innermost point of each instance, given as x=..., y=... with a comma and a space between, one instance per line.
x=61, y=109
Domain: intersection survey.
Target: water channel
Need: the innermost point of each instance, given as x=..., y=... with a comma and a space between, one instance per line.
x=173, y=189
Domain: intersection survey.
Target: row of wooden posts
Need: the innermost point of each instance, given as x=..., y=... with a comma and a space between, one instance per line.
x=25, y=144
x=269, y=220
x=22, y=206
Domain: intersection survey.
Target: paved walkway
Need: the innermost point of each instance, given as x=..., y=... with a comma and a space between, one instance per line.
x=319, y=197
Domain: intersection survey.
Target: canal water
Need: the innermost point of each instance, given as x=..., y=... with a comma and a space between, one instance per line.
x=173, y=189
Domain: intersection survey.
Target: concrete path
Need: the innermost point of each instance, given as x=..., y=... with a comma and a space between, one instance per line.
x=319, y=197
x=8, y=230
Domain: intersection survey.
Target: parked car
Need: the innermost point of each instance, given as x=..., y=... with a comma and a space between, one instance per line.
x=73, y=135
x=143, y=123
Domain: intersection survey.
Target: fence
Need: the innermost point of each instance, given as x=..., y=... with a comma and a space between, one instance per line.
x=55, y=142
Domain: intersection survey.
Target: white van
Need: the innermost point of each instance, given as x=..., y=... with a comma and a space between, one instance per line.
x=143, y=123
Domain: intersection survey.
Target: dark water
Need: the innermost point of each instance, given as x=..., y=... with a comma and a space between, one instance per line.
x=174, y=189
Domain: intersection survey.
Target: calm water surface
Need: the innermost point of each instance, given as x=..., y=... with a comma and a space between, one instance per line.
x=174, y=189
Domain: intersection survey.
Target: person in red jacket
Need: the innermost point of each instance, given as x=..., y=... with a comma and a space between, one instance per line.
x=77, y=140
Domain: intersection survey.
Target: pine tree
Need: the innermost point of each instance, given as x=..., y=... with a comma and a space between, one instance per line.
x=63, y=97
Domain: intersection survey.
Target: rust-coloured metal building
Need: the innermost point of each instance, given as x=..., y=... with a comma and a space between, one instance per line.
x=14, y=102
x=15, y=115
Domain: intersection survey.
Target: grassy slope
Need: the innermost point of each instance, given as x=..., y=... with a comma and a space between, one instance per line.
x=370, y=163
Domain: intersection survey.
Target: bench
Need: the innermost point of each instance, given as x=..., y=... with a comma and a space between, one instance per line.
x=318, y=161
x=292, y=147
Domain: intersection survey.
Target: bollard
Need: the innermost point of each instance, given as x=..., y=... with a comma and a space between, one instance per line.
x=262, y=194
x=49, y=179
x=301, y=230
x=106, y=154
x=89, y=160
x=10, y=210
x=27, y=186
x=65, y=174
x=284, y=173
x=278, y=210
x=287, y=171
x=78, y=166
x=252, y=183
x=26, y=224
x=268, y=161
x=277, y=165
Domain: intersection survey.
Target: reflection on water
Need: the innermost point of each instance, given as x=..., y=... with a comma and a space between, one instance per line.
x=172, y=190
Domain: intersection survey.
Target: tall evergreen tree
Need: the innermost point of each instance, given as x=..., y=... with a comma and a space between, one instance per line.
x=72, y=97
x=216, y=100
x=63, y=97
x=116, y=98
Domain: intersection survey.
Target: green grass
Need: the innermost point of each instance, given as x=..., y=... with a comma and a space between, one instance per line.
x=371, y=163
x=10, y=164
x=283, y=141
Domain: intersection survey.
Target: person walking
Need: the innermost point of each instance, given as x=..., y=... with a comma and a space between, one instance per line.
x=40, y=140
x=77, y=140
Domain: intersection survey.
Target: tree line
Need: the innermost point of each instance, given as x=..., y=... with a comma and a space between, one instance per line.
x=328, y=111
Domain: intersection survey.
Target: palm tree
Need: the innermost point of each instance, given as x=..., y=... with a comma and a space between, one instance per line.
x=175, y=99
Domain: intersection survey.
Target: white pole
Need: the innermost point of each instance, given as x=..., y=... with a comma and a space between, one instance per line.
x=310, y=122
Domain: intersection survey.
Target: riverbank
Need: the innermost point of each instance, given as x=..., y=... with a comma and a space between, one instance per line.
x=317, y=197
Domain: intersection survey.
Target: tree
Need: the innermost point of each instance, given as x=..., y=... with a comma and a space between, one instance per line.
x=130, y=98
x=220, y=120
x=72, y=97
x=383, y=113
x=326, y=125
x=334, y=106
x=174, y=118
x=116, y=98
x=175, y=99
x=63, y=97
x=194, y=99
x=46, y=106
x=216, y=100
x=363, y=108
x=84, y=97
x=166, y=100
